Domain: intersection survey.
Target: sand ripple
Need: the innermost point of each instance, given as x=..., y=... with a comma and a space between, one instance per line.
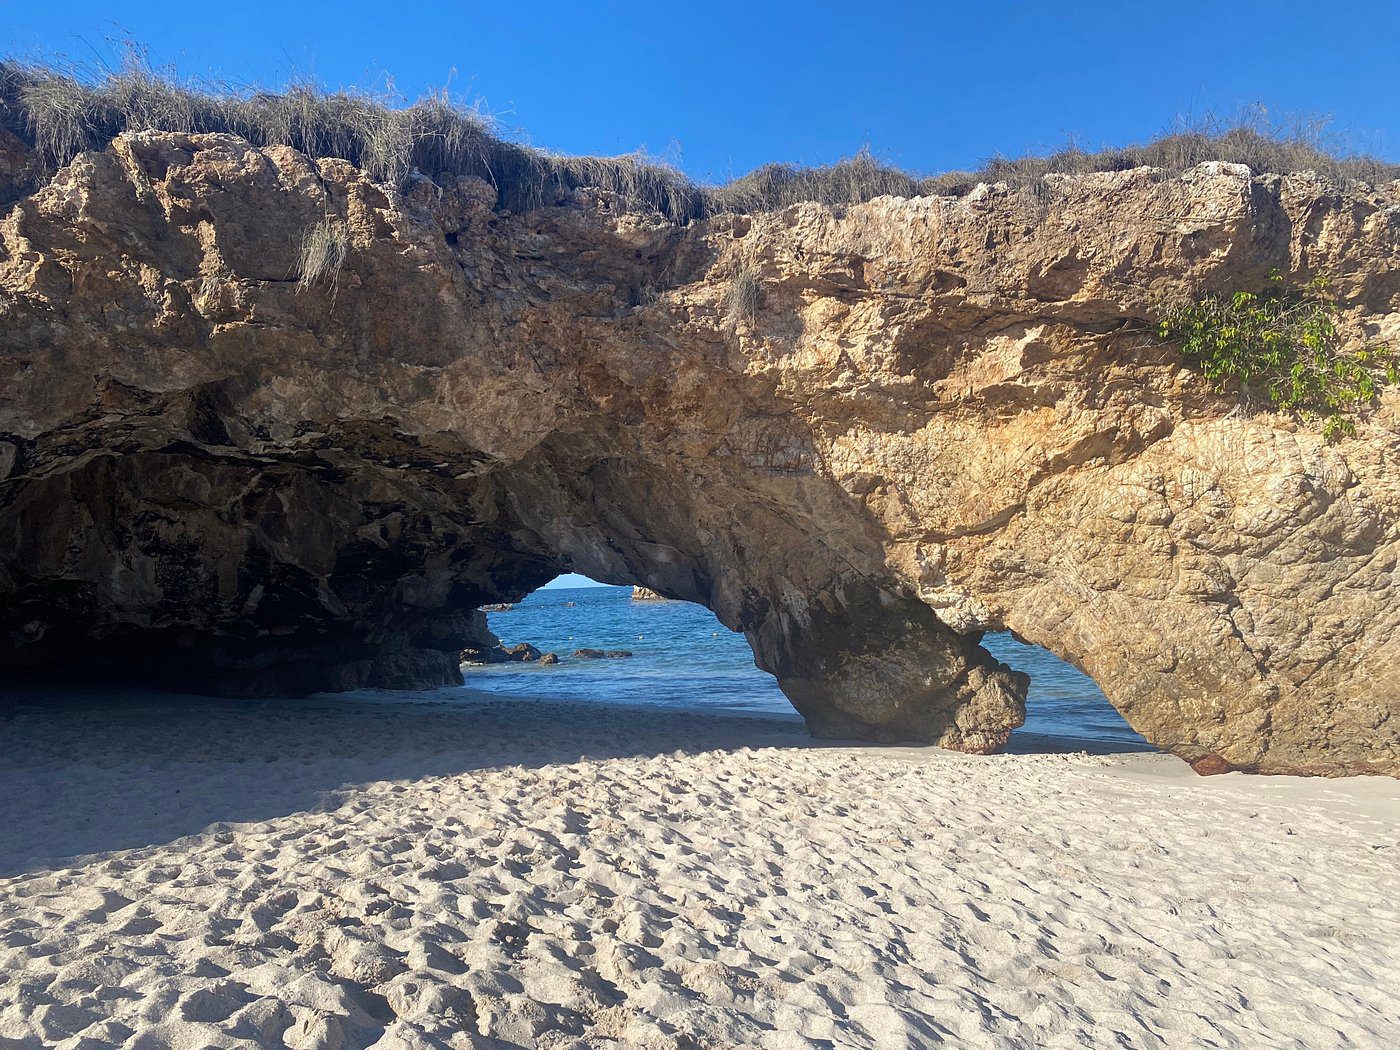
x=351, y=874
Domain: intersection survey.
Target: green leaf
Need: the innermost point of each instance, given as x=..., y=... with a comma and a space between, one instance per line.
x=1285, y=344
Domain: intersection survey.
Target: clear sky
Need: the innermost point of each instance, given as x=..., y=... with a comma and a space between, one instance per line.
x=721, y=87
x=571, y=579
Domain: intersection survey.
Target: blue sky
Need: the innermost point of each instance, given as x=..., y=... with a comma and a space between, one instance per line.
x=722, y=87
x=571, y=579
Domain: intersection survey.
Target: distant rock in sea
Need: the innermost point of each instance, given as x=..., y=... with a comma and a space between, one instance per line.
x=499, y=654
x=646, y=594
x=502, y=607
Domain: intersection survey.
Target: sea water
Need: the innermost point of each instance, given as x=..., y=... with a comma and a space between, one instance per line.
x=683, y=657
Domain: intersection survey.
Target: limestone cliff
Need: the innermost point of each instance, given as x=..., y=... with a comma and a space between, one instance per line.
x=862, y=436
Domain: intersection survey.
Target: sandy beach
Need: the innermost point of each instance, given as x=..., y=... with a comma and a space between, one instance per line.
x=395, y=870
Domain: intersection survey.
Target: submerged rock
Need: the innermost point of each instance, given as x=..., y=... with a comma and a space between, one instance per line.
x=601, y=654
x=941, y=416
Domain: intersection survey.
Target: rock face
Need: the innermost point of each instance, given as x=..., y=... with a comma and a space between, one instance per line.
x=646, y=594
x=932, y=418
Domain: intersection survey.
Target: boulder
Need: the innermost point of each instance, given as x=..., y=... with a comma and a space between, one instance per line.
x=499, y=654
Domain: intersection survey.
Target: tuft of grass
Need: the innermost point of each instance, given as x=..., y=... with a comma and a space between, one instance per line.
x=743, y=297
x=1285, y=344
x=324, y=247
x=1249, y=139
x=63, y=113
x=773, y=186
x=209, y=286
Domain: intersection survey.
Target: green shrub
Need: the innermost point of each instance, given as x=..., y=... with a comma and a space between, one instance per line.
x=1283, y=343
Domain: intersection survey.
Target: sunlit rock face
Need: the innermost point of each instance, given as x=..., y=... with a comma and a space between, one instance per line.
x=937, y=417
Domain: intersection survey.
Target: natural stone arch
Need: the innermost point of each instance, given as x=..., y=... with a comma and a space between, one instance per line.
x=936, y=417
x=855, y=658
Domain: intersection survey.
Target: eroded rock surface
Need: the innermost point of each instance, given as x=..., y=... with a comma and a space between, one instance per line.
x=943, y=417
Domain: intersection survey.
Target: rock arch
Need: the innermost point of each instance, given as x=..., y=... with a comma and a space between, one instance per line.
x=940, y=417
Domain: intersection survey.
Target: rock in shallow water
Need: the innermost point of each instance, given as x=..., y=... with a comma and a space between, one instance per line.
x=499, y=654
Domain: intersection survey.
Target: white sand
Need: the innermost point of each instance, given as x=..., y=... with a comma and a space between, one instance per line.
x=191, y=873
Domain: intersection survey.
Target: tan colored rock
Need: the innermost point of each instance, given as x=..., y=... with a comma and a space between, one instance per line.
x=944, y=416
x=646, y=594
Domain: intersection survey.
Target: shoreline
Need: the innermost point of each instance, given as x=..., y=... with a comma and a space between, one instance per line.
x=400, y=870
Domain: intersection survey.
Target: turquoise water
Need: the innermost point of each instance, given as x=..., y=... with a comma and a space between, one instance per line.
x=683, y=657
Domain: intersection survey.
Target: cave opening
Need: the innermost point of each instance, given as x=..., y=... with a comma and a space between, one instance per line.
x=612, y=647
x=1063, y=704
x=581, y=640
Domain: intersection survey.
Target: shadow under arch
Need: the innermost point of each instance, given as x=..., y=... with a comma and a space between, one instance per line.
x=98, y=769
x=690, y=686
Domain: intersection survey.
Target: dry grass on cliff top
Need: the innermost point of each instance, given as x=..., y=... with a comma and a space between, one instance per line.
x=60, y=114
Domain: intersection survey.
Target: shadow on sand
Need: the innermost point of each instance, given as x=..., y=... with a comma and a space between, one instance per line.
x=84, y=771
